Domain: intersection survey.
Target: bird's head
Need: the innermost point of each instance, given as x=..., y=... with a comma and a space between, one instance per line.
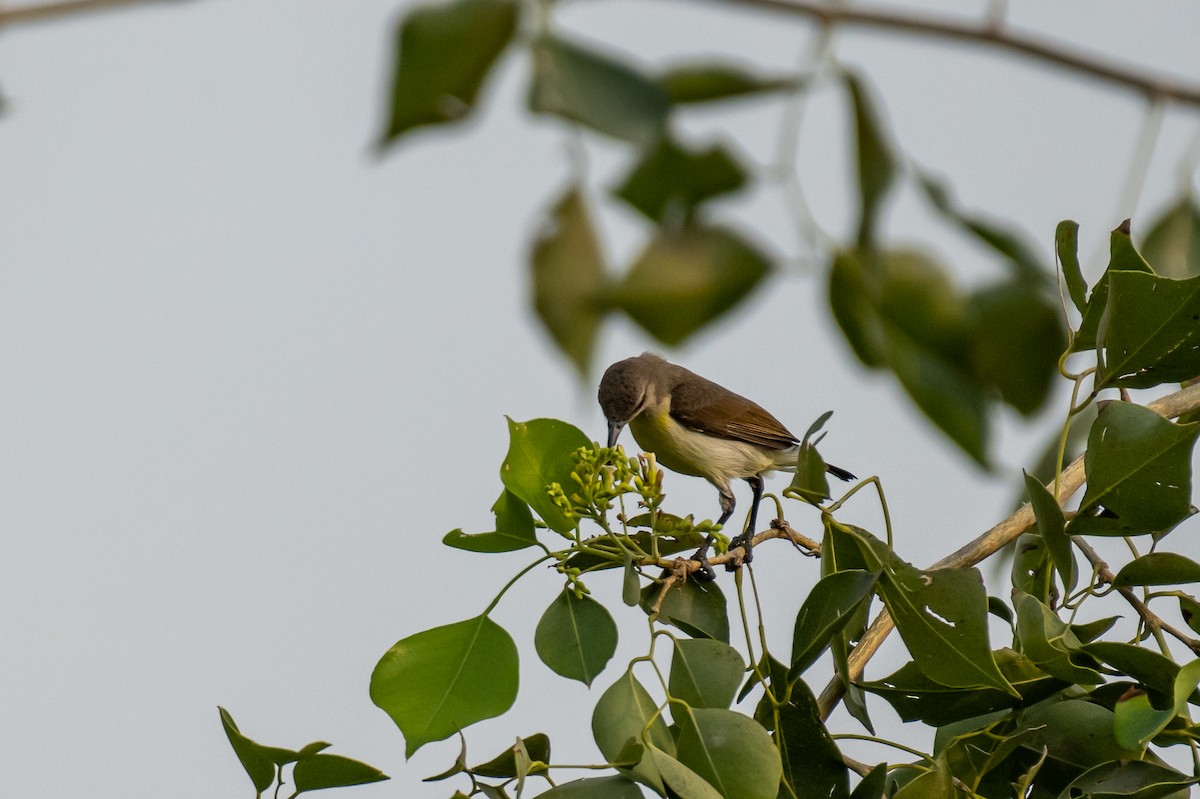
x=625, y=391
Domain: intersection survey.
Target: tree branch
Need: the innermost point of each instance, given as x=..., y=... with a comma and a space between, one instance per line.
x=1030, y=45
x=989, y=543
x=16, y=15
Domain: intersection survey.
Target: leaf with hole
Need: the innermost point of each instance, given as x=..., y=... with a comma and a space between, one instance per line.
x=1153, y=333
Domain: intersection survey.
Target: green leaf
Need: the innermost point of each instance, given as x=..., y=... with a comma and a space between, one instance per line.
x=1122, y=257
x=705, y=673
x=1138, y=466
x=1153, y=334
x=1154, y=671
x=1075, y=731
x=685, y=280
x=616, y=787
x=1066, y=244
x=1014, y=323
x=631, y=585
x=1189, y=609
x=1049, y=642
x=600, y=92
x=439, y=681
x=937, y=783
x=873, y=784
x=671, y=181
x=696, y=608
x=514, y=761
x=332, y=771
x=684, y=782
x=514, y=529
x=1136, y=721
x=1007, y=243
x=568, y=278
x=826, y=610
x=539, y=453
x=623, y=711
x=1139, y=779
x=1173, y=244
x=1052, y=526
x=915, y=697
x=576, y=637
x=941, y=615
x=899, y=309
x=709, y=82
x=255, y=758
x=1031, y=569
x=877, y=167
x=809, y=482
x=444, y=53
x=729, y=751
x=1159, y=568
x=812, y=763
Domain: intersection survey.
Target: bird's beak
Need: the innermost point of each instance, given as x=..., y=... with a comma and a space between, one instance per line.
x=614, y=432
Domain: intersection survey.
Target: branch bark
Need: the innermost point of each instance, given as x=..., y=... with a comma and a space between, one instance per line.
x=1050, y=51
x=989, y=543
x=17, y=15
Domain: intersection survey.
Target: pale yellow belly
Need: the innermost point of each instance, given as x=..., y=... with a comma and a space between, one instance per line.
x=688, y=452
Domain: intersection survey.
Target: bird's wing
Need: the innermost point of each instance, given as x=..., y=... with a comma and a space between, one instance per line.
x=709, y=408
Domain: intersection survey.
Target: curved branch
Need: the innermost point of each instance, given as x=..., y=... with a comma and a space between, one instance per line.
x=37, y=13
x=989, y=34
x=989, y=543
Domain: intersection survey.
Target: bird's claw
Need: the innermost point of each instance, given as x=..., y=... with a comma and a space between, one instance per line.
x=704, y=571
x=745, y=542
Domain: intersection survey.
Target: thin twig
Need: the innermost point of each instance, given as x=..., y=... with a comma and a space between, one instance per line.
x=16, y=15
x=987, y=33
x=989, y=543
x=1152, y=619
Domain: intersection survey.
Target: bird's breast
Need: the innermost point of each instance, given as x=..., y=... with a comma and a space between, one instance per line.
x=688, y=451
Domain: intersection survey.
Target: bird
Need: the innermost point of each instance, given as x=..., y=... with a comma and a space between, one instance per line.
x=700, y=428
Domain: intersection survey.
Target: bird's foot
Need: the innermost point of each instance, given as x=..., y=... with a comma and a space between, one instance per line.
x=745, y=542
x=704, y=573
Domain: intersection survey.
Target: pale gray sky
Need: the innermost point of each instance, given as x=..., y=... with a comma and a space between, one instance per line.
x=250, y=374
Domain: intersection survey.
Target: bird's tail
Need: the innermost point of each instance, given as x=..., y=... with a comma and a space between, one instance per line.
x=839, y=472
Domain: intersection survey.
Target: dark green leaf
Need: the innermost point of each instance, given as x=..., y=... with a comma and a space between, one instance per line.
x=1189, y=608
x=671, y=181
x=942, y=616
x=1122, y=257
x=444, y=53
x=1075, y=731
x=694, y=607
x=729, y=751
x=812, y=763
x=1154, y=671
x=575, y=637
x=1138, y=466
x=828, y=607
x=615, y=787
x=1139, y=779
x=333, y=771
x=1016, y=337
x=1136, y=721
x=255, y=758
x=534, y=748
x=703, y=83
x=439, y=681
x=631, y=586
x=539, y=453
x=809, y=481
x=915, y=697
x=1066, y=244
x=685, y=280
x=595, y=90
x=1159, y=568
x=873, y=784
x=1153, y=334
x=705, y=673
x=1086, y=633
x=937, y=783
x=568, y=278
x=1173, y=244
x=1052, y=526
x=621, y=713
x=1031, y=569
x=876, y=164
x=514, y=529
x=1048, y=641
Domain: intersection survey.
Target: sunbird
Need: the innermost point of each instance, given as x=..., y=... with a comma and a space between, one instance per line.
x=697, y=427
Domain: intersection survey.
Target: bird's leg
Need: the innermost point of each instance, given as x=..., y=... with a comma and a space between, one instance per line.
x=705, y=572
x=745, y=540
